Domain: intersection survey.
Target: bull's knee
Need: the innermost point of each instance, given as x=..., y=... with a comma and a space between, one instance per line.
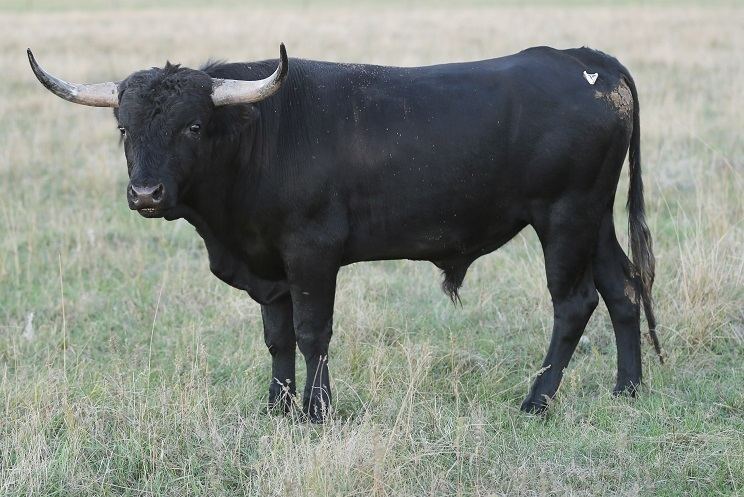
x=624, y=306
x=313, y=344
x=624, y=312
x=280, y=345
x=574, y=311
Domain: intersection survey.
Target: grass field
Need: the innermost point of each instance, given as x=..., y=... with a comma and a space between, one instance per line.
x=126, y=368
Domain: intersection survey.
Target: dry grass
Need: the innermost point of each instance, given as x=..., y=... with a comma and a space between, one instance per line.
x=100, y=398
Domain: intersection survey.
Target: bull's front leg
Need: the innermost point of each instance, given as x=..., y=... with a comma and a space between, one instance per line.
x=279, y=335
x=312, y=282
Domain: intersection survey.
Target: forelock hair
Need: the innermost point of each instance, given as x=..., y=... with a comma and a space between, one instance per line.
x=157, y=85
x=166, y=78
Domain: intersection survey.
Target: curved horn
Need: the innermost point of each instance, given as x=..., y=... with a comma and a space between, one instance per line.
x=96, y=95
x=235, y=91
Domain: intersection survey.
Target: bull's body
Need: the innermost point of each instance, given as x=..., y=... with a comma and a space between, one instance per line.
x=350, y=163
x=442, y=163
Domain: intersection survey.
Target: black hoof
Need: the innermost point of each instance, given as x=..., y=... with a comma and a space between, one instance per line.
x=531, y=406
x=281, y=397
x=316, y=419
x=626, y=389
x=317, y=408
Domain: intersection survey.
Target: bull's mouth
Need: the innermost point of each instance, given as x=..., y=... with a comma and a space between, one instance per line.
x=168, y=213
x=151, y=212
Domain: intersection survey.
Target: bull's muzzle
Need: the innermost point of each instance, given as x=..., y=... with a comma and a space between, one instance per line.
x=145, y=199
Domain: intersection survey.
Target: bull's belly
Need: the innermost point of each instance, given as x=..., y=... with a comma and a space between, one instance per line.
x=466, y=237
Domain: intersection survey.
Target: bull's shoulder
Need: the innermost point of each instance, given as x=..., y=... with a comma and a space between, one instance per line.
x=237, y=274
x=231, y=269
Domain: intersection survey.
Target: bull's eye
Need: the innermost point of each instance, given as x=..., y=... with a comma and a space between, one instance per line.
x=122, y=130
x=195, y=128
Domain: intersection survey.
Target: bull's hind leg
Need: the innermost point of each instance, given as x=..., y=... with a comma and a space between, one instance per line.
x=614, y=277
x=568, y=244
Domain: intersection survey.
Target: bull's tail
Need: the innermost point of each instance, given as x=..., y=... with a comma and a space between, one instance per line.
x=641, y=245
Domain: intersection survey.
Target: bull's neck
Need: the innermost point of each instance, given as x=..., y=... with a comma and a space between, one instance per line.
x=223, y=194
x=233, y=192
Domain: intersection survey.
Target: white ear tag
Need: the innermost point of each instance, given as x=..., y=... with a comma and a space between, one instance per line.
x=591, y=78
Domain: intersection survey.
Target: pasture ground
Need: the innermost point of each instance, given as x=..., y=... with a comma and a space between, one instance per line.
x=126, y=368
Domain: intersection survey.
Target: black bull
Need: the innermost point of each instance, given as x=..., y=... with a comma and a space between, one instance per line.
x=348, y=163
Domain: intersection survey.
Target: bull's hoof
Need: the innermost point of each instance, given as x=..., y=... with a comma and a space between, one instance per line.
x=316, y=419
x=281, y=405
x=626, y=389
x=536, y=407
x=317, y=407
x=281, y=398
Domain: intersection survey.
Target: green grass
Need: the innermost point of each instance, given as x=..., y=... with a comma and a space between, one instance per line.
x=142, y=374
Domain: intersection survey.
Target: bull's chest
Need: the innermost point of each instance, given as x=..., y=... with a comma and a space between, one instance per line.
x=245, y=264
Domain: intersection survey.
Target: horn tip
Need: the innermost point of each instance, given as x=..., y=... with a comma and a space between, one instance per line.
x=283, y=61
x=34, y=65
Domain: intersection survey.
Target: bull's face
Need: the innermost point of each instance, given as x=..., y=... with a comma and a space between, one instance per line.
x=169, y=119
x=165, y=117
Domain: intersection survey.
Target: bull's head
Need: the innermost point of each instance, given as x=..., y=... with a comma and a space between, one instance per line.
x=169, y=119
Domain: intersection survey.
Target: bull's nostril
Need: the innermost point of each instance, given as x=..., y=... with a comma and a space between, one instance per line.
x=157, y=194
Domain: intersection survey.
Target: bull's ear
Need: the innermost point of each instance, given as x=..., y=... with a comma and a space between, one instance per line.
x=231, y=120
